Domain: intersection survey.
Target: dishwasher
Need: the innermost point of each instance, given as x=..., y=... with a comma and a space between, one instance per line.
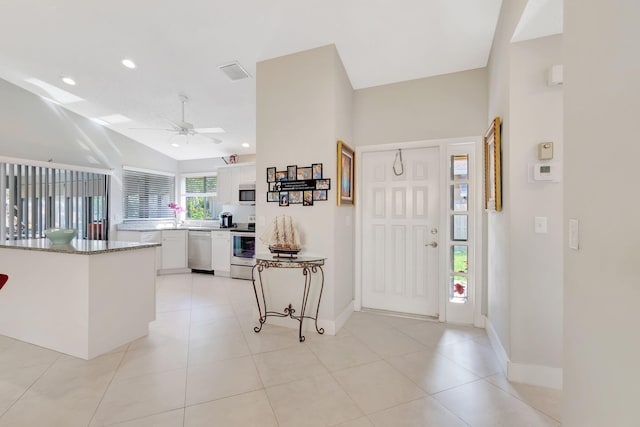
x=200, y=246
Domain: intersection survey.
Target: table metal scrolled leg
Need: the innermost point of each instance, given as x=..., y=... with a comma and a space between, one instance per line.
x=305, y=298
x=315, y=268
x=262, y=318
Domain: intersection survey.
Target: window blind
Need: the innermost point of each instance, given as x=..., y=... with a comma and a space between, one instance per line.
x=147, y=195
x=35, y=198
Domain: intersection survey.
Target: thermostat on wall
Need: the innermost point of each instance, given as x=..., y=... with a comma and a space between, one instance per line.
x=544, y=172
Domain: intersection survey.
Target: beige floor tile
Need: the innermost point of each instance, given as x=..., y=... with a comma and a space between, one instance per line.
x=246, y=410
x=422, y=412
x=173, y=293
x=271, y=338
x=342, y=352
x=282, y=366
x=141, y=396
x=310, y=402
x=6, y=342
x=166, y=419
x=481, y=404
x=431, y=371
x=472, y=355
x=403, y=321
x=227, y=346
x=360, y=422
x=206, y=291
x=208, y=331
x=14, y=382
x=149, y=360
x=387, y=341
x=207, y=313
x=546, y=400
x=377, y=386
x=222, y=379
x=435, y=334
x=21, y=354
x=66, y=395
x=361, y=320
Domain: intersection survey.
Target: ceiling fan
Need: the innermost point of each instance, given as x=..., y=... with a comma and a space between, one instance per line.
x=187, y=129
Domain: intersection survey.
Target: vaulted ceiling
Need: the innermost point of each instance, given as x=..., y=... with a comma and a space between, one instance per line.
x=178, y=47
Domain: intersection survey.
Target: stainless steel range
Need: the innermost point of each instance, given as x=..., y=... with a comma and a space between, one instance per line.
x=243, y=251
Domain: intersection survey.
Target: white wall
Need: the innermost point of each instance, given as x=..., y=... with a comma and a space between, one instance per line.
x=497, y=233
x=602, y=291
x=535, y=275
x=34, y=129
x=525, y=288
x=447, y=106
x=300, y=101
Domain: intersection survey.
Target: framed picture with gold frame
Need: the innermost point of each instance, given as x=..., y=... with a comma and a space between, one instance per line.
x=492, y=168
x=346, y=174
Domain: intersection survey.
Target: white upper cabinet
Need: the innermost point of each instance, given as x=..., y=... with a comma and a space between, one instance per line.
x=230, y=178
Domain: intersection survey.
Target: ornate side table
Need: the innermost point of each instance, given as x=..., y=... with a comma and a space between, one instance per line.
x=310, y=265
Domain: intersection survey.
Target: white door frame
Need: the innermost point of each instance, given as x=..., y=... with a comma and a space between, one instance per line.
x=443, y=273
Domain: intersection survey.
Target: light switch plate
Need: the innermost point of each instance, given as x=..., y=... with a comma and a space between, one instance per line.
x=574, y=234
x=541, y=225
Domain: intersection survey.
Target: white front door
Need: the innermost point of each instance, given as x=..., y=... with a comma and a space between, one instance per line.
x=400, y=219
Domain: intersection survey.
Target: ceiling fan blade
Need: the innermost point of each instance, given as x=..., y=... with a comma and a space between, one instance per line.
x=209, y=130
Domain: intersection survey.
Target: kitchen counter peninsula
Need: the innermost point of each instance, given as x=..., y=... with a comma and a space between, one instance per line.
x=83, y=299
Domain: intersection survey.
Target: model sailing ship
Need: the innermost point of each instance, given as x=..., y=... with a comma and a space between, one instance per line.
x=282, y=237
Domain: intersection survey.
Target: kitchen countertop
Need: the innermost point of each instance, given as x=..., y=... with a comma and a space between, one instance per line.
x=77, y=247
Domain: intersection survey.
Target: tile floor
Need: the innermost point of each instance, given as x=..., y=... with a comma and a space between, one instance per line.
x=202, y=365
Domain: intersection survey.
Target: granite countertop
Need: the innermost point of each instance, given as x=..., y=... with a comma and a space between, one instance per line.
x=77, y=247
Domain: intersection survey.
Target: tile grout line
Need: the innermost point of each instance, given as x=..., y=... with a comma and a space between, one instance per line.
x=30, y=385
x=186, y=376
x=115, y=371
x=518, y=398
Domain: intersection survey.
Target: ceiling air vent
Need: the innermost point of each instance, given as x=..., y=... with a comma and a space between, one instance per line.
x=234, y=71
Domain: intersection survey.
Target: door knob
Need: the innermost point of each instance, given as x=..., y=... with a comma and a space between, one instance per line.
x=433, y=244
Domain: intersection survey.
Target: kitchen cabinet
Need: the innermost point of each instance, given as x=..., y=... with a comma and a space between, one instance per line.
x=221, y=252
x=230, y=178
x=174, y=249
x=143, y=237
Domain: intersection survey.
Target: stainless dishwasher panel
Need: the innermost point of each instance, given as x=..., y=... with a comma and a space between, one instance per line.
x=200, y=250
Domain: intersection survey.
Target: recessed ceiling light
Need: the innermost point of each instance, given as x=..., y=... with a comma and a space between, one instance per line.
x=68, y=80
x=245, y=145
x=54, y=92
x=129, y=63
x=209, y=130
x=175, y=145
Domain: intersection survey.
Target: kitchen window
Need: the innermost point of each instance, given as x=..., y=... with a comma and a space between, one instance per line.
x=147, y=194
x=200, y=197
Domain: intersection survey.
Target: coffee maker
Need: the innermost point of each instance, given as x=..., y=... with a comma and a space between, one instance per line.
x=226, y=220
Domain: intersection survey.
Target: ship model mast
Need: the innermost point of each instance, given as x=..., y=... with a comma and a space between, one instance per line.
x=282, y=237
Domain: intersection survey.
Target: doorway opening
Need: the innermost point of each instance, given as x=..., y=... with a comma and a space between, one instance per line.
x=418, y=228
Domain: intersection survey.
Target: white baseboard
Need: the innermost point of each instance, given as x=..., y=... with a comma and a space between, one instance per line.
x=543, y=376
x=343, y=317
x=498, y=349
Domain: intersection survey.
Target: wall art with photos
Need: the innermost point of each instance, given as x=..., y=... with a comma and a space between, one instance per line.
x=297, y=185
x=346, y=174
